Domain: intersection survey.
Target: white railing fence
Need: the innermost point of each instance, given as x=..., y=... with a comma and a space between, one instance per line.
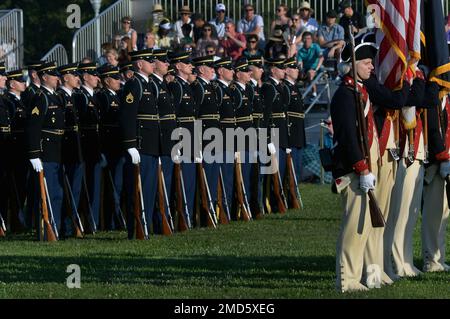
x=88, y=39
x=58, y=53
x=11, y=38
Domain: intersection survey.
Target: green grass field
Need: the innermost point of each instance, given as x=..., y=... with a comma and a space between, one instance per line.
x=281, y=256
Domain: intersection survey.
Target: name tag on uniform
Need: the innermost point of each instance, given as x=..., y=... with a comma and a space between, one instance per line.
x=207, y=92
x=293, y=93
x=53, y=106
x=245, y=98
x=145, y=92
x=91, y=104
x=226, y=97
x=162, y=91
x=69, y=104
x=114, y=104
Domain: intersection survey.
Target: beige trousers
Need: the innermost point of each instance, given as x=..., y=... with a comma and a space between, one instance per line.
x=355, y=230
x=435, y=214
x=404, y=211
x=374, y=252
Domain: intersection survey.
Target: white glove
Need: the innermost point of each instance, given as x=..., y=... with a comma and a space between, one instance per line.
x=236, y=155
x=199, y=158
x=177, y=157
x=271, y=148
x=37, y=164
x=367, y=182
x=288, y=151
x=135, y=157
x=444, y=169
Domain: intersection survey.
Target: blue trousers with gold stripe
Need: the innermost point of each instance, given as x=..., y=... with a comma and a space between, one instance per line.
x=189, y=178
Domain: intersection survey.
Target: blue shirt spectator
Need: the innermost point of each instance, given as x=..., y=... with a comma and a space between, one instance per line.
x=252, y=23
x=309, y=56
x=331, y=36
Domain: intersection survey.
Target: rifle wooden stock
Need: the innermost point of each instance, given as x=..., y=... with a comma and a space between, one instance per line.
x=292, y=184
x=166, y=229
x=182, y=218
x=138, y=205
x=277, y=186
x=204, y=196
x=47, y=227
x=376, y=215
x=245, y=214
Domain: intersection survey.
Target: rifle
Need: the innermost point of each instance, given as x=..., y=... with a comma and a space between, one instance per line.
x=90, y=215
x=205, y=195
x=240, y=190
x=139, y=210
x=2, y=226
x=20, y=218
x=278, y=186
x=425, y=135
x=52, y=219
x=72, y=207
x=119, y=213
x=46, y=227
x=376, y=215
x=184, y=222
x=224, y=219
x=293, y=186
x=167, y=224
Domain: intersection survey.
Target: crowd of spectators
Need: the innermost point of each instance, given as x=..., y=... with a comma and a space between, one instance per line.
x=293, y=32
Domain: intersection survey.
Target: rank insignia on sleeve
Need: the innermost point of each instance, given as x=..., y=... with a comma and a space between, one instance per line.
x=35, y=111
x=129, y=98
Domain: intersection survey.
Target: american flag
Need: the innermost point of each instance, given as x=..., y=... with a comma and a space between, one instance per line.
x=399, y=41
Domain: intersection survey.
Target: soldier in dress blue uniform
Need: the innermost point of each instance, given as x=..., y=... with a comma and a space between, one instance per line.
x=256, y=193
x=89, y=114
x=5, y=136
x=243, y=94
x=208, y=98
x=71, y=148
x=109, y=102
x=275, y=106
x=186, y=111
x=16, y=84
x=140, y=135
x=295, y=115
x=224, y=70
x=166, y=115
x=35, y=84
x=44, y=131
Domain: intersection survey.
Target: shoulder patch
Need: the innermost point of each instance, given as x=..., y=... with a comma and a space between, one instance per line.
x=129, y=98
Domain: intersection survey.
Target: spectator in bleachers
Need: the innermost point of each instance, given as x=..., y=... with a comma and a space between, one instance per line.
x=199, y=22
x=358, y=20
x=112, y=57
x=125, y=48
x=307, y=23
x=233, y=42
x=252, y=50
x=331, y=36
x=252, y=24
x=310, y=59
x=157, y=16
x=276, y=46
x=206, y=40
x=220, y=21
x=105, y=47
x=85, y=60
x=149, y=41
x=282, y=18
x=185, y=18
x=116, y=42
x=129, y=32
x=163, y=38
x=211, y=49
x=187, y=33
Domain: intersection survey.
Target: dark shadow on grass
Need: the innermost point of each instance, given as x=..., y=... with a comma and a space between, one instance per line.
x=201, y=270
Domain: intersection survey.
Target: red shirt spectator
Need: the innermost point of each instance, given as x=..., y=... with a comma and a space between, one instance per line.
x=233, y=43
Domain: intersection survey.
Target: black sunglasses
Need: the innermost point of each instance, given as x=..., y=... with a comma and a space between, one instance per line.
x=253, y=41
x=210, y=51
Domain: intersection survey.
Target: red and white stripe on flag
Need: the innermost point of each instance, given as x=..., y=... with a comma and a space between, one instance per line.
x=399, y=42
